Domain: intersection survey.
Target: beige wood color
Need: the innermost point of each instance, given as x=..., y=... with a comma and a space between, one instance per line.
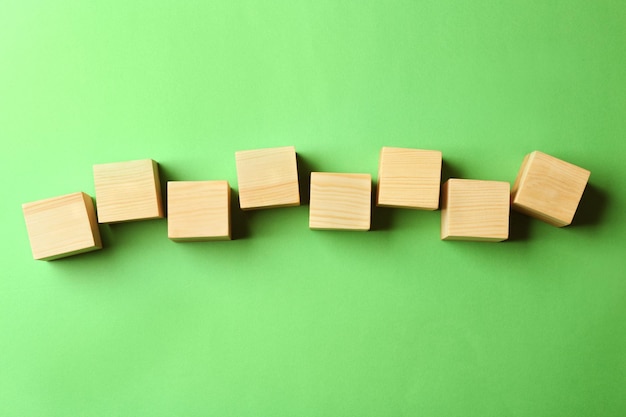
x=198, y=210
x=340, y=201
x=409, y=178
x=62, y=226
x=128, y=191
x=549, y=189
x=475, y=210
x=267, y=178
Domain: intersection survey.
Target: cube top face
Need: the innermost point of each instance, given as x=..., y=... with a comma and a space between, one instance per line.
x=267, y=178
x=409, y=178
x=128, y=191
x=549, y=189
x=198, y=210
x=340, y=201
x=62, y=226
x=475, y=210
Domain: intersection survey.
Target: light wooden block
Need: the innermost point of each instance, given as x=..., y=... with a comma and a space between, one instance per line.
x=267, y=178
x=340, y=201
x=409, y=178
x=62, y=226
x=549, y=189
x=198, y=210
x=128, y=191
x=475, y=210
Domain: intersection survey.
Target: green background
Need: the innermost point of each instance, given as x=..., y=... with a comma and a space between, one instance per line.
x=284, y=321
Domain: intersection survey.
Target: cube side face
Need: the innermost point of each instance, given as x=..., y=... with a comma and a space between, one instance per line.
x=445, y=228
x=340, y=201
x=521, y=175
x=61, y=226
x=199, y=210
x=475, y=210
x=409, y=178
x=93, y=219
x=267, y=178
x=127, y=191
x=550, y=189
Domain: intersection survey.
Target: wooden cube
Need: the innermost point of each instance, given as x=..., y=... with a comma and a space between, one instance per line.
x=198, y=210
x=267, y=178
x=409, y=178
x=548, y=188
x=340, y=201
x=128, y=191
x=475, y=210
x=62, y=226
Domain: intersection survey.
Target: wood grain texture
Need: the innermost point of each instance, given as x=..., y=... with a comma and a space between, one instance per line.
x=198, y=210
x=267, y=178
x=409, y=178
x=340, y=201
x=127, y=191
x=475, y=210
x=548, y=188
x=62, y=226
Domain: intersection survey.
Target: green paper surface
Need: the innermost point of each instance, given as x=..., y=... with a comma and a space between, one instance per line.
x=285, y=321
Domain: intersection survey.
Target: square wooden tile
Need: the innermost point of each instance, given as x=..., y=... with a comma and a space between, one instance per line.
x=340, y=201
x=128, y=191
x=549, y=189
x=198, y=210
x=475, y=210
x=409, y=178
x=62, y=226
x=267, y=178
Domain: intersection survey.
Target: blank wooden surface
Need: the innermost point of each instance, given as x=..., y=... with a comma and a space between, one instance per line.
x=548, y=188
x=340, y=201
x=62, y=226
x=475, y=210
x=198, y=210
x=128, y=191
x=409, y=178
x=267, y=178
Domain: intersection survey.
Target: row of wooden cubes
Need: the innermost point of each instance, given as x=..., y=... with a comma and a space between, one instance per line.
x=546, y=188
